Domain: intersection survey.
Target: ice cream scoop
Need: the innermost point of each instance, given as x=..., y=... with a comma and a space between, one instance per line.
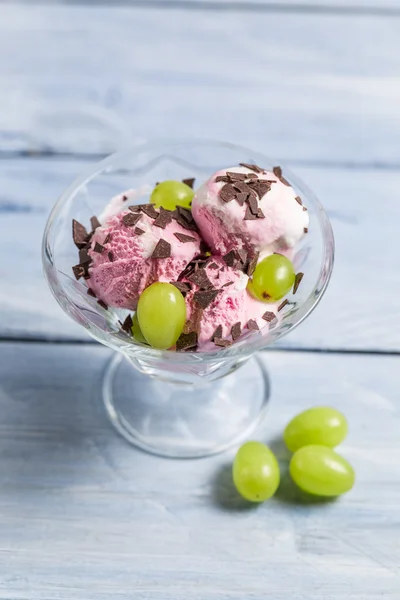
x=136, y=248
x=248, y=207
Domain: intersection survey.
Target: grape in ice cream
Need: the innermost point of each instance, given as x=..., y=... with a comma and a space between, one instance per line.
x=187, y=261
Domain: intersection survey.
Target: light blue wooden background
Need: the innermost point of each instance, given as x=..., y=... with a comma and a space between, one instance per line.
x=316, y=84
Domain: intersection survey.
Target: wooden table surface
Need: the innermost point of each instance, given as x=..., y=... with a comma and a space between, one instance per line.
x=313, y=83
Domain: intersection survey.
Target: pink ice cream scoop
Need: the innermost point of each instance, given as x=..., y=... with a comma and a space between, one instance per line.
x=134, y=249
x=219, y=307
x=249, y=208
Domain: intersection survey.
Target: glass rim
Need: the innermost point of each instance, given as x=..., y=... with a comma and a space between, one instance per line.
x=251, y=343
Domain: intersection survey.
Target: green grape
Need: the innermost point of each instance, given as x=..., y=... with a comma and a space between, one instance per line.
x=255, y=472
x=320, y=471
x=161, y=313
x=319, y=425
x=272, y=279
x=136, y=331
x=170, y=194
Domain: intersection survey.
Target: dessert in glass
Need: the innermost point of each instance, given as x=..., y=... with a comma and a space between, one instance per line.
x=187, y=257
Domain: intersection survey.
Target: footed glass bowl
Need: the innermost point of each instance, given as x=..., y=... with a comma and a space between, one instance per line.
x=178, y=404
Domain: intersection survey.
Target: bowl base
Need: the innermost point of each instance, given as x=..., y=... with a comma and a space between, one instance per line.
x=183, y=421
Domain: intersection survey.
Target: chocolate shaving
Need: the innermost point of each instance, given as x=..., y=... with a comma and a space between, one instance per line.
x=305, y=229
x=217, y=333
x=252, y=167
x=222, y=178
x=236, y=176
x=251, y=176
x=236, y=331
x=249, y=215
x=184, y=288
x=91, y=293
x=182, y=237
x=222, y=343
x=261, y=187
x=298, y=199
x=304, y=208
x=190, y=181
x=79, y=234
x=252, y=325
x=163, y=219
x=135, y=208
x=253, y=204
x=200, y=279
x=230, y=258
x=79, y=271
x=162, y=250
x=138, y=231
x=242, y=187
x=260, y=214
x=242, y=253
x=205, y=298
x=84, y=256
x=95, y=223
x=227, y=192
x=252, y=264
x=107, y=239
x=269, y=316
x=127, y=324
x=102, y=304
x=297, y=281
x=98, y=248
x=241, y=198
x=149, y=210
x=124, y=198
x=228, y=283
x=186, y=341
x=278, y=172
x=283, y=304
x=110, y=256
x=213, y=265
x=130, y=219
x=185, y=213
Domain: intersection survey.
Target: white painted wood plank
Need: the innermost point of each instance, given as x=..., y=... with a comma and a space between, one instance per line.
x=359, y=310
x=84, y=515
x=306, y=87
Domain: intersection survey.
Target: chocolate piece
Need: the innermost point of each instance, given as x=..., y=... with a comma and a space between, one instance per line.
x=182, y=237
x=78, y=271
x=95, y=223
x=298, y=199
x=261, y=187
x=269, y=316
x=102, y=304
x=242, y=187
x=162, y=250
x=184, y=288
x=200, y=279
x=227, y=193
x=253, y=204
x=304, y=208
x=228, y=283
x=230, y=258
x=190, y=181
x=249, y=215
x=186, y=341
x=79, y=234
x=124, y=198
x=242, y=253
x=236, y=331
x=98, y=248
x=236, y=176
x=252, y=325
x=84, y=256
x=127, y=324
x=130, y=219
x=205, y=298
x=305, y=229
x=107, y=239
x=110, y=256
x=222, y=343
x=135, y=208
x=91, y=293
x=297, y=281
x=213, y=265
x=252, y=167
x=251, y=176
x=241, y=198
x=222, y=178
x=217, y=333
x=277, y=171
x=138, y=231
x=164, y=218
x=149, y=210
x=185, y=213
x=260, y=214
x=283, y=304
x=252, y=264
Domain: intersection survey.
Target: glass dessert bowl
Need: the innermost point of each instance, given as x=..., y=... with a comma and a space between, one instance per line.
x=179, y=404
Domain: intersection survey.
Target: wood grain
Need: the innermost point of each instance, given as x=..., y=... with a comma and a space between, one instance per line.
x=358, y=311
x=303, y=87
x=84, y=515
